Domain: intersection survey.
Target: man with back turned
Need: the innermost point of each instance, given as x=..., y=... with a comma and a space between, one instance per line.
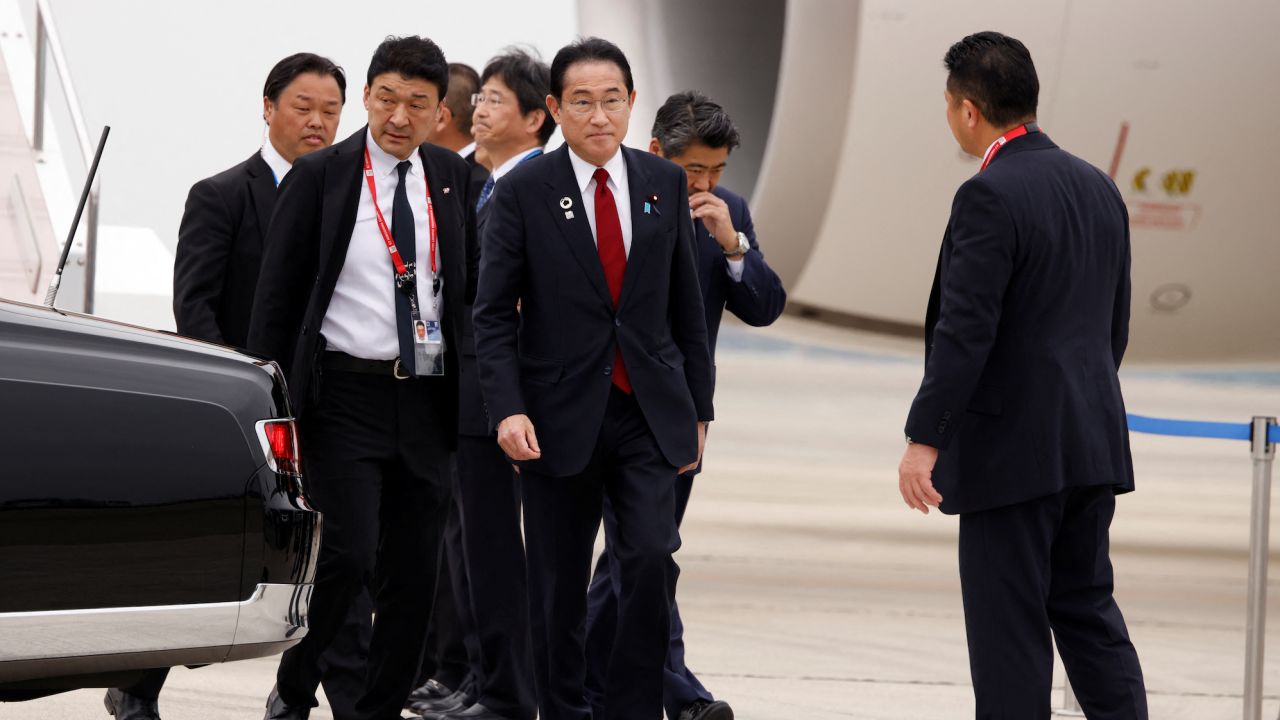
x=1019, y=425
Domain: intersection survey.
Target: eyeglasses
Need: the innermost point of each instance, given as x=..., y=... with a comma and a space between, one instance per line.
x=478, y=99
x=613, y=105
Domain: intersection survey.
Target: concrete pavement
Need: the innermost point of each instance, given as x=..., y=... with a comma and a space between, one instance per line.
x=810, y=591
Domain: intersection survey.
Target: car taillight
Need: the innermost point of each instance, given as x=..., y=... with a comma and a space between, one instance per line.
x=280, y=443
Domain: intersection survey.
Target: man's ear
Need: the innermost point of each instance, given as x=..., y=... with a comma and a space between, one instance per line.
x=970, y=113
x=554, y=106
x=533, y=120
x=444, y=116
x=655, y=147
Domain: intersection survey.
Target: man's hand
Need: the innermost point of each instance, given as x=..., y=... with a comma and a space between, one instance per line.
x=915, y=477
x=714, y=213
x=517, y=439
x=702, y=444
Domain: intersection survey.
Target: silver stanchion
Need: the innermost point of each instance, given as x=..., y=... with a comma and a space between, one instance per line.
x=1070, y=705
x=1264, y=452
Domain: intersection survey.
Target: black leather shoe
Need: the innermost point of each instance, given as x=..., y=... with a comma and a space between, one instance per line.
x=703, y=710
x=430, y=690
x=278, y=709
x=126, y=706
x=475, y=712
x=456, y=702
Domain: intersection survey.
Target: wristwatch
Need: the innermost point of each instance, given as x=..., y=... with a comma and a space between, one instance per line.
x=743, y=246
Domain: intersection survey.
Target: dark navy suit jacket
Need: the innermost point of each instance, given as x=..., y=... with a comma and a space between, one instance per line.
x=553, y=359
x=759, y=298
x=215, y=269
x=1026, y=327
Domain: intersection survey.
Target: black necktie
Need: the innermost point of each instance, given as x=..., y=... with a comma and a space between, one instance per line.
x=402, y=233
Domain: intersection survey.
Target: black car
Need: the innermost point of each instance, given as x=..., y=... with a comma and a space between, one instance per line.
x=151, y=504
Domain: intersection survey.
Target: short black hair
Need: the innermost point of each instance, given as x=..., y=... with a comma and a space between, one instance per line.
x=412, y=58
x=995, y=72
x=689, y=117
x=530, y=79
x=591, y=49
x=464, y=82
x=288, y=69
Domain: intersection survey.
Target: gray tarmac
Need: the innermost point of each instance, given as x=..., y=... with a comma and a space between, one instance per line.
x=810, y=591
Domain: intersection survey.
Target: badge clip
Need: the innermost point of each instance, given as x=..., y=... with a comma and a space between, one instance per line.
x=652, y=205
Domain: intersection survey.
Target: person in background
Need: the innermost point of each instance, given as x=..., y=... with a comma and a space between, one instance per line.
x=216, y=270
x=511, y=124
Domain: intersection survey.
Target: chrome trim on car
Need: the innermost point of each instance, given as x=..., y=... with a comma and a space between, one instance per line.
x=273, y=613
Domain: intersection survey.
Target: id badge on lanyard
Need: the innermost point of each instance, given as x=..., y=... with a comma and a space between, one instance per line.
x=428, y=339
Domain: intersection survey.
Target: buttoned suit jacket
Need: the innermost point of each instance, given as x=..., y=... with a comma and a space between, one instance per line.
x=220, y=238
x=553, y=360
x=307, y=247
x=1026, y=327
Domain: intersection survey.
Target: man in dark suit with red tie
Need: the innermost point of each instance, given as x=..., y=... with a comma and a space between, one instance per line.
x=600, y=383
x=1019, y=425
x=698, y=135
x=369, y=238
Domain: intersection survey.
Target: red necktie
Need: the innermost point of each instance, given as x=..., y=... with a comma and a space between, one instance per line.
x=613, y=257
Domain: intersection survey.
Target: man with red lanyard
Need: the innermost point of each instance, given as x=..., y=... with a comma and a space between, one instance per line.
x=1019, y=424
x=369, y=241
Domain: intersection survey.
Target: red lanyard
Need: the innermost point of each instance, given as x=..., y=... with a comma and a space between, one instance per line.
x=396, y=260
x=1000, y=141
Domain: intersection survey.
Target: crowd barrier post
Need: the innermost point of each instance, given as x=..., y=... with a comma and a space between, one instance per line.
x=1264, y=453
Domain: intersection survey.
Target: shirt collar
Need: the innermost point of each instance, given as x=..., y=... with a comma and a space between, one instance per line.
x=384, y=163
x=583, y=170
x=470, y=148
x=279, y=166
x=513, y=161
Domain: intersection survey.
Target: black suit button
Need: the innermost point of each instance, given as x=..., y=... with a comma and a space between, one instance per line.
x=617, y=322
x=608, y=370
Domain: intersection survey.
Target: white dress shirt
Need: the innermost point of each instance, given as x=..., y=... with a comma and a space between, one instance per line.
x=512, y=162
x=470, y=148
x=279, y=166
x=361, y=319
x=617, y=169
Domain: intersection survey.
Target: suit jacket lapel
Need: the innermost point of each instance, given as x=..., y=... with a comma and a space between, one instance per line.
x=643, y=225
x=446, y=210
x=344, y=171
x=575, y=230
x=262, y=190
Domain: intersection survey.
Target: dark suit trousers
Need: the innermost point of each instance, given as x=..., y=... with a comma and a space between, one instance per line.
x=562, y=517
x=490, y=496
x=377, y=467
x=1040, y=571
x=452, y=647
x=680, y=687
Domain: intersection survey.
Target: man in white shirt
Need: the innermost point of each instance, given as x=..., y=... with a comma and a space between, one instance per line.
x=369, y=238
x=597, y=386
x=511, y=124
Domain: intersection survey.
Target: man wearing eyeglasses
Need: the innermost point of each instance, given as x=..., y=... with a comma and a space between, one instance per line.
x=600, y=384
x=697, y=134
x=511, y=124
